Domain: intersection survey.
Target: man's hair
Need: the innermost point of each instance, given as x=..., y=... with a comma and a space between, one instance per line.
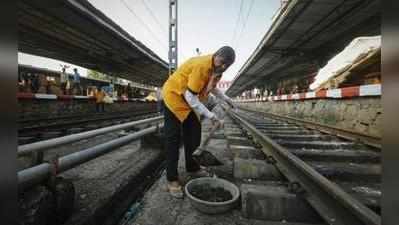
x=227, y=53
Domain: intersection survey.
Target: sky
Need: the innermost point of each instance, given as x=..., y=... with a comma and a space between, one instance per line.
x=203, y=24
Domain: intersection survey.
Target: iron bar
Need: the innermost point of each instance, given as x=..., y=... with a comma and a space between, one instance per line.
x=51, y=143
x=39, y=173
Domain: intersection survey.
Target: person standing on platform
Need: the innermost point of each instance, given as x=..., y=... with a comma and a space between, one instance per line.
x=63, y=80
x=129, y=91
x=76, y=81
x=183, y=94
x=35, y=84
x=99, y=95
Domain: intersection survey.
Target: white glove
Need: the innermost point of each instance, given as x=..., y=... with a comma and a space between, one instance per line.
x=218, y=93
x=196, y=105
x=216, y=121
x=231, y=103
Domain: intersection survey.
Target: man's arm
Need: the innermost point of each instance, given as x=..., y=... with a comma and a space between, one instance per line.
x=218, y=93
x=197, y=106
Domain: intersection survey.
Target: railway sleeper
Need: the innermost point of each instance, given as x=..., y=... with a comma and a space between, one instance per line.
x=288, y=132
x=319, y=144
x=276, y=125
x=368, y=193
x=274, y=202
x=233, y=140
x=302, y=137
x=337, y=155
x=348, y=171
x=276, y=129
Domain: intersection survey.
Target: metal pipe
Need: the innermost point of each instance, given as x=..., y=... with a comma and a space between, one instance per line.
x=54, y=142
x=39, y=173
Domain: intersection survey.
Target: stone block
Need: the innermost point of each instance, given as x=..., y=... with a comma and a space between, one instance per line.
x=255, y=169
x=275, y=203
x=237, y=140
x=249, y=154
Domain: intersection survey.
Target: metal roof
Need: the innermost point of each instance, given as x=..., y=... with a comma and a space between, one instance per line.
x=304, y=36
x=76, y=32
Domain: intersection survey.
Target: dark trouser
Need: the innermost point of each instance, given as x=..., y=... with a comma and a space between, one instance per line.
x=160, y=106
x=191, y=129
x=76, y=88
x=63, y=88
x=100, y=107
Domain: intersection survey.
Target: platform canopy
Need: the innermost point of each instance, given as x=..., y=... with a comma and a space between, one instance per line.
x=76, y=32
x=303, y=37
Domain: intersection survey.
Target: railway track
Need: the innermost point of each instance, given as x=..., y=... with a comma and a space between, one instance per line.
x=52, y=128
x=338, y=173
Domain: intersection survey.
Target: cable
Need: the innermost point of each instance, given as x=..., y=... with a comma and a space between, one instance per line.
x=238, y=20
x=142, y=22
x=245, y=22
x=148, y=29
x=157, y=21
x=153, y=16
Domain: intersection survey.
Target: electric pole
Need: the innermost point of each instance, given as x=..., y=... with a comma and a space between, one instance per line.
x=172, y=36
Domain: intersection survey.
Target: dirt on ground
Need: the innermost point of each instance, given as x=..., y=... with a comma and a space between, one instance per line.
x=208, y=193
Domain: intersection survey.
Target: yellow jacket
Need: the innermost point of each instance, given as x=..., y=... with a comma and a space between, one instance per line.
x=99, y=96
x=194, y=75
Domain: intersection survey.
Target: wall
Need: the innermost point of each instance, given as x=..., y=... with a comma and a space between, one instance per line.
x=362, y=114
x=46, y=108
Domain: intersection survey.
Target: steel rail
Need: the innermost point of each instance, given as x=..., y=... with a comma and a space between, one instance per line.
x=73, y=116
x=54, y=142
x=333, y=204
x=343, y=133
x=82, y=121
x=41, y=172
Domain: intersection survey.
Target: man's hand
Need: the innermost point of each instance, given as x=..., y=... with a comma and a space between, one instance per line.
x=215, y=121
x=231, y=103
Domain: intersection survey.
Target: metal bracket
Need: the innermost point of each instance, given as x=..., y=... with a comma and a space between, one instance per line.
x=159, y=130
x=54, y=164
x=257, y=144
x=271, y=160
x=295, y=187
x=37, y=158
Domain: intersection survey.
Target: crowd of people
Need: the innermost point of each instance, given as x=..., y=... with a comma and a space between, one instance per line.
x=71, y=84
x=30, y=82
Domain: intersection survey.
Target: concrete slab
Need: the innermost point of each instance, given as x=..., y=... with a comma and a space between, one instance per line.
x=275, y=203
x=237, y=140
x=255, y=169
x=242, y=147
x=248, y=154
